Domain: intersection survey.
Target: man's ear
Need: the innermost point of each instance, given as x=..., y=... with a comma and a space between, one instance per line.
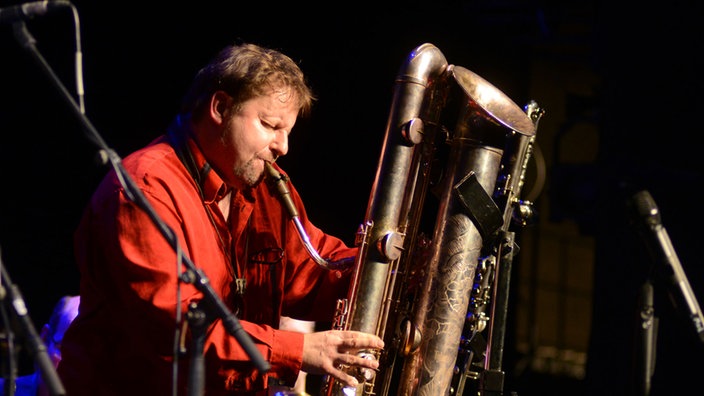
x=219, y=104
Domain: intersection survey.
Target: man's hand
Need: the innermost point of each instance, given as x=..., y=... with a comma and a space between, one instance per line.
x=324, y=351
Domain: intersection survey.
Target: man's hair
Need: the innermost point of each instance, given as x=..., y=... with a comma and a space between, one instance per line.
x=246, y=71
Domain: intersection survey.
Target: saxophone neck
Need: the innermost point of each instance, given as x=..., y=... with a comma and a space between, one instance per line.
x=280, y=184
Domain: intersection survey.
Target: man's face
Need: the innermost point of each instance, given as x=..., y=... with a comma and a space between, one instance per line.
x=258, y=132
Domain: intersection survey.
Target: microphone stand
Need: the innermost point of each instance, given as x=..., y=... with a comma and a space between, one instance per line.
x=193, y=274
x=34, y=341
x=198, y=320
x=669, y=271
x=646, y=340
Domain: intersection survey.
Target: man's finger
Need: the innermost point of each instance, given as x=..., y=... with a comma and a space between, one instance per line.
x=345, y=378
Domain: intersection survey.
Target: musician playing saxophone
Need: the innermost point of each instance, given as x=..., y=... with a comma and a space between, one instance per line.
x=204, y=179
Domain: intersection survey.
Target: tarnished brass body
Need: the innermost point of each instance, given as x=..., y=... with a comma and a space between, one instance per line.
x=412, y=290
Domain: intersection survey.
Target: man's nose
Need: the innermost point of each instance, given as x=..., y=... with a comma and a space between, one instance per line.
x=280, y=144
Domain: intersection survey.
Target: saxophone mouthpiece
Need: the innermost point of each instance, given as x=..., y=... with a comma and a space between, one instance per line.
x=271, y=171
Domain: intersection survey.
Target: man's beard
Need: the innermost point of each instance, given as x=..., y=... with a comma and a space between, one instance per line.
x=248, y=174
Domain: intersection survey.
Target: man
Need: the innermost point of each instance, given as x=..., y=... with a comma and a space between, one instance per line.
x=52, y=334
x=204, y=180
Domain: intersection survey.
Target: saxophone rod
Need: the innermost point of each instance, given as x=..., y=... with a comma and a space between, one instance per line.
x=279, y=182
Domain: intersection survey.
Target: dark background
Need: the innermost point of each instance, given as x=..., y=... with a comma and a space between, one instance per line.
x=138, y=59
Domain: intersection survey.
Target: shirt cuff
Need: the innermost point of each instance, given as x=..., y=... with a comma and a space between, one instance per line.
x=287, y=355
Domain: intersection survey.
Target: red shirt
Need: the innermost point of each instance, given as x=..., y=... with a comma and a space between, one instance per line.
x=122, y=342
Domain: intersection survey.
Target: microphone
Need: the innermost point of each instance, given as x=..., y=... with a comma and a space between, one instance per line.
x=661, y=250
x=26, y=11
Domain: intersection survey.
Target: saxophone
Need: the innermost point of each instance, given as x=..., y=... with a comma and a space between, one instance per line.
x=446, y=135
x=467, y=222
x=478, y=358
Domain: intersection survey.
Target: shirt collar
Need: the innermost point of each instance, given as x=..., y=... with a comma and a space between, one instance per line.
x=213, y=187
